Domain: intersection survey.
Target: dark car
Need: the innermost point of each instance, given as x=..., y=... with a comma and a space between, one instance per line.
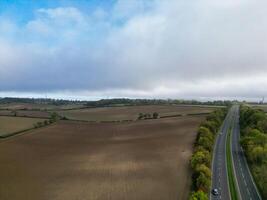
x=215, y=192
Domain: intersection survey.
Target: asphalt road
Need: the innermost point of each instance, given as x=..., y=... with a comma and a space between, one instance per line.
x=219, y=169
x=246, y=187
x=245, y=183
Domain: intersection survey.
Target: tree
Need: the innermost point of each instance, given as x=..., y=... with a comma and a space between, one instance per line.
x=155, y=115
x=203, y=182
x=211, y=125
x=253, y=125
x=141, y=116
x=258, y=154
x=38, y=125
x=147, y=116
x=205, y=132
x=54, y=117
x=204, y=169
x=262, y=125
x=200, y=157
x=205, y=142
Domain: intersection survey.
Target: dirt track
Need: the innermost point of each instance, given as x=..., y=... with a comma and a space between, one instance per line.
x=134, y=161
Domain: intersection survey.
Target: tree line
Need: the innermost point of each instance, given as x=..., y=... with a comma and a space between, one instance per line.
x=112, y=102
x=202, y=156
x=54, y=117
x=49, y=101
x=253, y=124
x=141, y=102
x=155, y=115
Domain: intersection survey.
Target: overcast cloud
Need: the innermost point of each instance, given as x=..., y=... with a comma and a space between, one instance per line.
x=155, y=49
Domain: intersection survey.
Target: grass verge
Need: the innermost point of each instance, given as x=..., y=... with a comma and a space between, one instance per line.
x=230, y=173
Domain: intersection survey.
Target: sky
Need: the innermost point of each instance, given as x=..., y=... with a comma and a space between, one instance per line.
x=92, y=49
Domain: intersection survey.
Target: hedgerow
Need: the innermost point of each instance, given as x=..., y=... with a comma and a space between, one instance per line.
x=202, y=156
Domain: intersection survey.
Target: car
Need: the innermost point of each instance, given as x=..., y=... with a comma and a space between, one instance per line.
x=215, y=192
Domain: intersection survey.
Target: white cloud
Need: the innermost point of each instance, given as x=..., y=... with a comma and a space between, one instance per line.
x=161, y=48
x=59, y=23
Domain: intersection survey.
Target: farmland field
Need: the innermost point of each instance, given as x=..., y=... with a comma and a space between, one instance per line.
x=36, y=106
x=131, y=112
x=25, y=113
x=13, y=124
x=262, y=107
x=69, y=160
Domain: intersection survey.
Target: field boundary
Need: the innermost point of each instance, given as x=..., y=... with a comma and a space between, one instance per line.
x=24, y=116
x=22, y=132
x=136, y=120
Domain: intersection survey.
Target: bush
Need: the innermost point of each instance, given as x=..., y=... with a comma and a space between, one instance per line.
x=199, y=195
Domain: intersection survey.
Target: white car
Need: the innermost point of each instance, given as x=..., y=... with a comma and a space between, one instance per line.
x=215, y=192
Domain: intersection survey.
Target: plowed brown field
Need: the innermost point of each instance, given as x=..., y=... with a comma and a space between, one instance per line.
x=100, y=161
x=131, y=112
x=25, y=113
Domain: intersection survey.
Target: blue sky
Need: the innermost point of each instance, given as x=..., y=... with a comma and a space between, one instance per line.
x=133, y=48
x=23, y=10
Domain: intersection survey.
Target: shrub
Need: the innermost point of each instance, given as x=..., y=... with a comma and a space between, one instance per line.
x=199, y=195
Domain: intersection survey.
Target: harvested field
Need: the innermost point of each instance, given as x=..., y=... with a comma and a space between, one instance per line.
x=116, y=161
x=35, y=106
x=14, y=124
x=25, y=113
x=131, y=112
